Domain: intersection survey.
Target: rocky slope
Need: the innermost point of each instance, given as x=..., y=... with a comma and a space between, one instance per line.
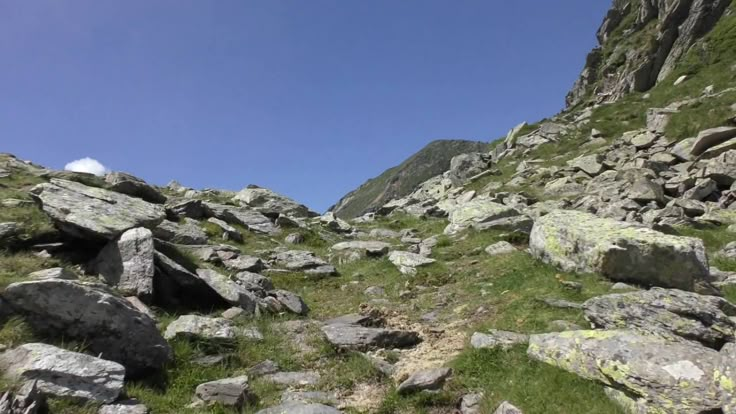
x=400, y=180
x=586, y=264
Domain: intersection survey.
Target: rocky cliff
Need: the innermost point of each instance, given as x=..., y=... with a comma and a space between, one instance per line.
x=640, y=44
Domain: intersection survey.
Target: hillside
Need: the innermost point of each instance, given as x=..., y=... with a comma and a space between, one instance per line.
x=400, y=180
x=585, y=264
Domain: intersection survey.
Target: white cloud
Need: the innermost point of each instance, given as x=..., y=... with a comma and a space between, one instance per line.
x=87, y=165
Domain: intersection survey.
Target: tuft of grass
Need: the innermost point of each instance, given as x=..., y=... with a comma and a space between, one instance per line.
x=15, y=267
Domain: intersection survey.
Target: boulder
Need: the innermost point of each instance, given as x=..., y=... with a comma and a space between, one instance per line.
x=128, y=263
x=107, y=324
x=289, y=301
x=499, y=248
x=318, y=397
x=176, y=286
x=53, y=273
x=89, y=212
x=728, y=251
x=187, y=231
x=710, y=138
x=298, y=260
x=294, y=238
x=294, y=379
x=124, y=407
x=271, y=203
x=253, y=281
x=725, y=378
x=361, y=248
x=497, y=339
x=61, y=373
x=300, y=408
x=589, y=164
x=335, y=224
x=664, y=375
x=134, y=187
x=194, y=327
x=666, y=312
x=471, y=403
x=465, y=166
x=582, y=242
x=477, y=211
x=252, y=220
x=507, y=408
x=425, y=380
x=194, y=209
x=27, y=400
x=722, y=169
x=359, y=337
x=644, y=190
x=243, y=263
x=229, y=392
x=8, y=231
x=229, y=290
x=407, y=262
x=228, y=232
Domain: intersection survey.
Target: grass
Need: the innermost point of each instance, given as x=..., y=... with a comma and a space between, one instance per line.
x=35, y=224
x=15, y=267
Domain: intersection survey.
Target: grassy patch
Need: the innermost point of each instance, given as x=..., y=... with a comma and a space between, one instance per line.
x=15, y=267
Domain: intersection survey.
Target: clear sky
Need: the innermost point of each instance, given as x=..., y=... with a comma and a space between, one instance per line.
x=307, y=97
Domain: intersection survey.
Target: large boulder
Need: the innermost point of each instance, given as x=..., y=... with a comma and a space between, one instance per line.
x=186, y=231
x=271, y=203
x=230, y=392
x=229, y=290
x=360, y=337
x=61, y=373
x=128, y=263
x=710, y=138
x=666, y=376
x=302, y=260
x=408, y=262
x=195, y=327
x=666, y=312
x=477, y=211
x=134, y=187
x=250, y=219
x=90, y=212
x=582, y=242
x=424, y=380
x=465, y=166
x=107, y=323
x=357, y=249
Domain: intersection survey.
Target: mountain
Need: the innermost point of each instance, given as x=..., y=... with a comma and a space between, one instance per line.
x=584, y=264
x=400, y=180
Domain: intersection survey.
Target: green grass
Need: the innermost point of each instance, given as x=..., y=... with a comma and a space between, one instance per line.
x=15, y=267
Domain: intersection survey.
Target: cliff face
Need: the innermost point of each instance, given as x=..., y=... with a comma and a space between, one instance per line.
x=640, y=43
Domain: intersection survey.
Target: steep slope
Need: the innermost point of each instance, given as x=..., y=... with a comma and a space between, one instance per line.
x=400, y=180
x=640, y=44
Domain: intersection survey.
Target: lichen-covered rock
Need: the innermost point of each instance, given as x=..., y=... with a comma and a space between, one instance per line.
x=664, y=375
x=61, y=373
x=668, y=312
x=290, y=301
x=298, y=260
x=477, y=211
x=90, y=212
x=589, y=164
x=359, y=337
x=499, y=248
x=582, y=242
x=107, y=324
x=27, y=400
x=134, y=187
x=271, y=203
x=228, y=289
x=195, y=327
x=300, y=408
x=124, y=407
x=186, y=231
x=230, y=392
x=363, y=248
x=8, y=230
x=53, y=273
x=252, y=220
x=128, y=263
x=407, y=262
x=507, y=408
x=725, y=378
x=428, y=379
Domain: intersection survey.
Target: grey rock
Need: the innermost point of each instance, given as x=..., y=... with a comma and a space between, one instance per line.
x=243, y=263
x=269, y=202
x=363, y=248
x=293, y=379
x=581, y=242
x=194, y=209
x=643, y=140
x=229, y=392
x=264, y=368
x=253, y=281
x=124, y=407
x=229, y=290
x=89, y=212
x=359, y=337
x=53, y=273
x=62, y=373
x=728, y=251
x=470, y=403
x=562, y=325
x=666, y=312
x=298, y=260
x=310, y=397
x=497, y=339
x=294, y=238
x=499, y=248
x=725, y=377
x=384, y=234
x=710, y=138
x=561, y=303
x=195, y=327
x=128, y=263
x=702, y=189
x=228, y=232
x=644, y=191
x=300, y=408
x=187, y=231
x=477, y=211
x=9, y=230
x=27, y=400
x=465, y=166
x=252, y=220
x=290, y=301
x=134, y=187
x=647, y=366
x=374, y=291
x=429, y=379
x=335, y=224
x=507, y=408
x=722, y=169
x=408, y=262
x=622, y=286
x=108, y=324
x=590, y=164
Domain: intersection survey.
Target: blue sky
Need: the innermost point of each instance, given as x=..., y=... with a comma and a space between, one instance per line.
x=307, y=97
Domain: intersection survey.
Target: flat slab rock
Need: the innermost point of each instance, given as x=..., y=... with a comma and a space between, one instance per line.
x=127, y=263
x=232, y=292
x=300, y=408
x=201, y=327
x=359, y=337
x=298, y=260
x=294, y=379
x=582, y=242
x=124, y=407
x=475, y=212
x=186, y=231
x=90, y=212
x=407, y=262
x=497, y=339
x=63, y=373
x=107, y=323
x=670, y=312
x=230, y=392
x=665, y=375
x=425, y=380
